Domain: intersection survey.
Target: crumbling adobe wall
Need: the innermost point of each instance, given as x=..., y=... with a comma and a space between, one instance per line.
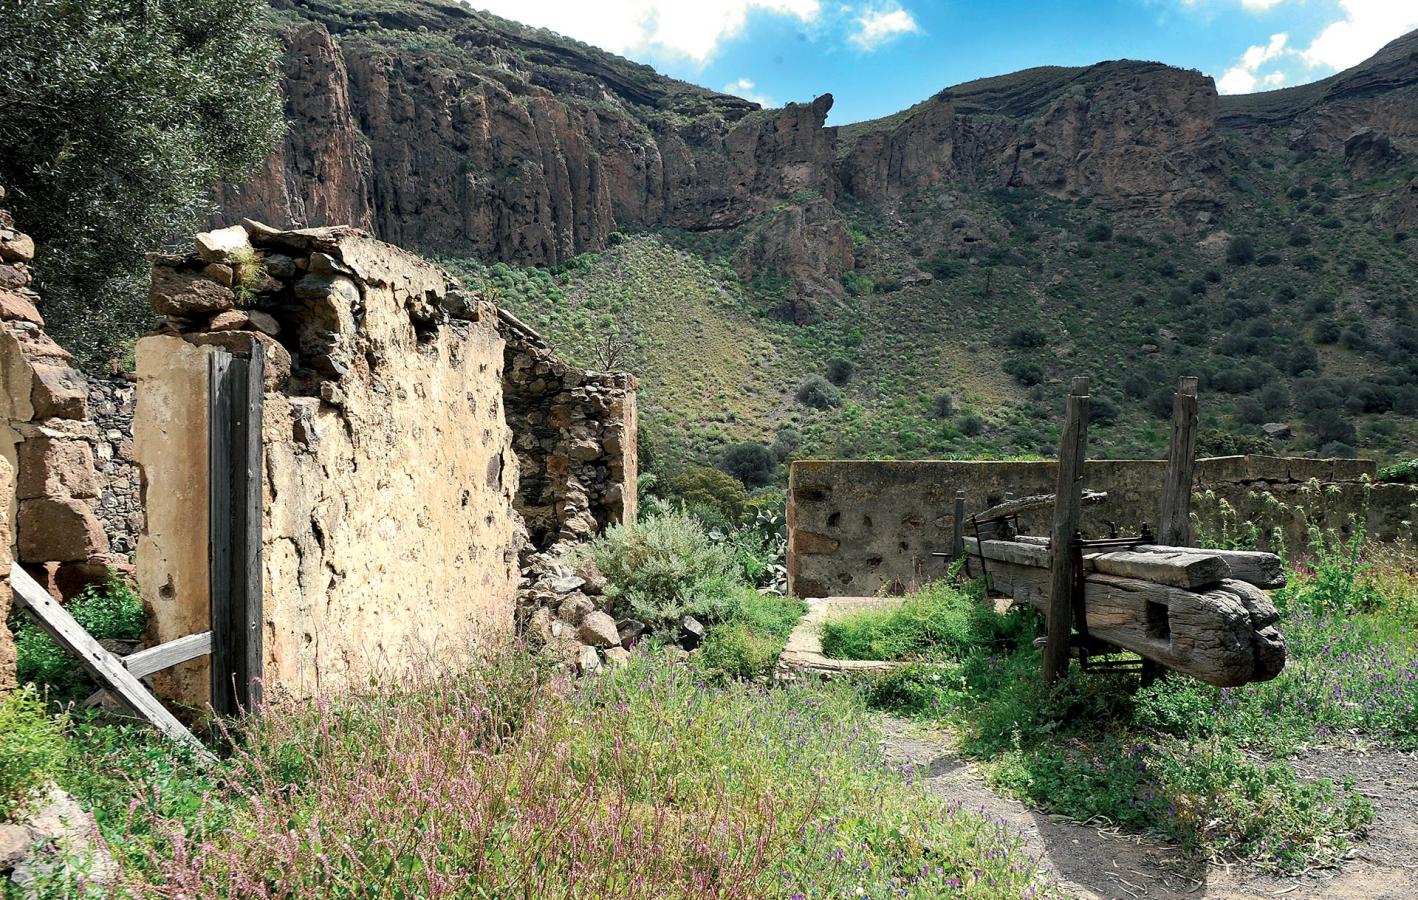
x=389, y=535
x=855, y=527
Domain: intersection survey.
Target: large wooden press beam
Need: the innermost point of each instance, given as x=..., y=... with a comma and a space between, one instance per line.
x=1222, y=632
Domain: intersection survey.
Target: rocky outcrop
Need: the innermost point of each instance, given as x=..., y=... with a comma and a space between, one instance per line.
x=1136, y=136
x=811, y=245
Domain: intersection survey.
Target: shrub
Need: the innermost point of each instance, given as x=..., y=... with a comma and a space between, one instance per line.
x=940, y=621
x=786, y=442
x=840, y=371
x=818, y=393
x=1250, y=411
x=943, y=405
x=943, y=266
x=664, y=567
x=1099, y=232
x=1301, y=360
x=1027, y=338
x=1026, y=371
x=1102, y=411
x=707, y=487
x=1241, y=251
x=31, y=747
x=1328, y=426
x=971, y=425
x=753, y=464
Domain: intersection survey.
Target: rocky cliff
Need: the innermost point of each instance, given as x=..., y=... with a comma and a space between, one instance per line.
x=453, y=131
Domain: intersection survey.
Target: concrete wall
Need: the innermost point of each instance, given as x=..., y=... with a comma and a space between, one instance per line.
x=389, y=533
x=856, y=527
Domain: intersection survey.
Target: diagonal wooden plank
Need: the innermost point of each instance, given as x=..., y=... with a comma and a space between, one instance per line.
x=106, y=668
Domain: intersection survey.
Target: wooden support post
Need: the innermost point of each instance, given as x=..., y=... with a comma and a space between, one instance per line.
x=234, y=550
x=957, y=530
x=1068, y=501
x=104, y=667
x=1174, y=523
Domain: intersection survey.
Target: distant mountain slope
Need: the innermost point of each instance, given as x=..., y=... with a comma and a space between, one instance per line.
x=958, y=258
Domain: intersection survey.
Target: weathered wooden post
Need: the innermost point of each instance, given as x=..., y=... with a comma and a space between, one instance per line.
x=957, y=536
x=234, y=550
x=1068, y=501
x=1174, y=525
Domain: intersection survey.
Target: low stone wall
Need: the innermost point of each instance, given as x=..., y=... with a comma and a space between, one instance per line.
x=857, y=527
x=389, y=538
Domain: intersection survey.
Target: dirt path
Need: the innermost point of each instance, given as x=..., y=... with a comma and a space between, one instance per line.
x=1094, y=862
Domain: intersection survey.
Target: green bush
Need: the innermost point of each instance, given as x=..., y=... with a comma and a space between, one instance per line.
x=1241, y=251
x=753, y=464
x=31, y=747
x=818, y=393
x=708, y=487
x=664, y=567
x=941, y=620
x=111, y=610
x=840, y=370
x=1026, y=371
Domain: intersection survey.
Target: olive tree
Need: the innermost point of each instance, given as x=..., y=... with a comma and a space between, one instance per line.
x=116, y=121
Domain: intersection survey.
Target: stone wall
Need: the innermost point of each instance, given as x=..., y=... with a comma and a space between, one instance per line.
x=575, y=435
x=391, y=534
x=856, y=527
x=120, y=489
x=46, y=436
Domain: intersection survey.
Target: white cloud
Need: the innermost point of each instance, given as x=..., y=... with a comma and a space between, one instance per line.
x=687, y=29
x=882, y=22
x=1367, y=25
x=746, y=89
x=1260, y=6
x=1244, y=76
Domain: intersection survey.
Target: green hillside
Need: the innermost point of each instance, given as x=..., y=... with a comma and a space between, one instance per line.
x=1293, y=309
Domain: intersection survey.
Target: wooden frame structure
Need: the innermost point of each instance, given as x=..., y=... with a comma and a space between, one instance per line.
x=1204, y=613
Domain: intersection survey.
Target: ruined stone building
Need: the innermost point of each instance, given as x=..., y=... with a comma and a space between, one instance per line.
x=424, y=454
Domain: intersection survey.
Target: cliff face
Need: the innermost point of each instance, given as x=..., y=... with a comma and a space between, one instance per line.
x=448, y=130
x=1131, y=135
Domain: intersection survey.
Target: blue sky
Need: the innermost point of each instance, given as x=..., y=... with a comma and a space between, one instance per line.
x=880, y=56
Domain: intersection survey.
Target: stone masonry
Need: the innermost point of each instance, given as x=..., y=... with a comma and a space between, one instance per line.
x=856, y=527
x=120, y=500
x=393, y=532
x=47, y=437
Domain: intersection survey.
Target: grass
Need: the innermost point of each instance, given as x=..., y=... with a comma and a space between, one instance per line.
x=940, y=621
x=1203, y=766
x=652, y=781
x=747, y=643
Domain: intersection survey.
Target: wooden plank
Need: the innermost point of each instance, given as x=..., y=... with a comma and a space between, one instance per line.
x=235, y=509
x=1264, y=570
x=1032, y=503
x=105, y=668
x=1188, y=569
x=220, y=413
x=1217, y=635
x=1174, y=523
x=1068, y=492
x=249, y=536
x=165, y=656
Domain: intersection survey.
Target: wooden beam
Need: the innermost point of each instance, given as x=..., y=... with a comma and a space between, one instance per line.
x=234, y=528
x=1224, y=635
x=957, y=528
x=1068, y=492
x=1264, y=570
x=1189, y=569
x=105, y=668
x=1035, y=502
x=1174, y=523
x=165, y=656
